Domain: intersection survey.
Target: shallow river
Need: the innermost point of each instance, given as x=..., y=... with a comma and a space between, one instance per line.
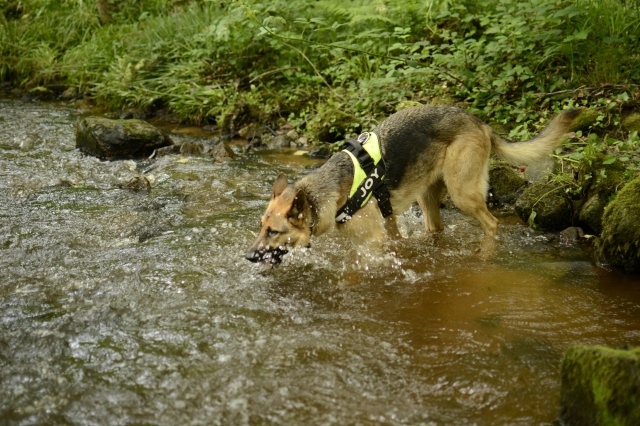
x=123, y=307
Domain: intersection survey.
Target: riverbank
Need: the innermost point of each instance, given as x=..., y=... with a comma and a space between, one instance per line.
x=330, y=69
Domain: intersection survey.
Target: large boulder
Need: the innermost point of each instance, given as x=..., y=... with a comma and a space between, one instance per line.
x=619, y=243
x=600, y=386
x=547, y=204
x=117, y=139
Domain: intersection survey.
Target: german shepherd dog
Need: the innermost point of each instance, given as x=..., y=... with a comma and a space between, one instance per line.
x=425, y=149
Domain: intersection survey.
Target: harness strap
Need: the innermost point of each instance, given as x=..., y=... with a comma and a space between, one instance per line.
x=368, y=177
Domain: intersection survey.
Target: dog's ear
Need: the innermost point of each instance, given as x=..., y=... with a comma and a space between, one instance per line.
x=279, y=185
x=299, y=206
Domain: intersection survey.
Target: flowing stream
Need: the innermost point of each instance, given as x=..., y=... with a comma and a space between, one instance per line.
x=138, y=307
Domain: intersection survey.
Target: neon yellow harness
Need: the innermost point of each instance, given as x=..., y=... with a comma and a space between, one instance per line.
x=368, y=175
x=359, y=175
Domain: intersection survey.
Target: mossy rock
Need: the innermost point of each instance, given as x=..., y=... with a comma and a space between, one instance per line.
x=601, y=178
x=117, y=139
x=619, y=244
x=553, y=209
x=505, y=184
x=600, y=386
x=223, y=152
x=586, y=119
x=599, y=182
x=631, y=123
x=592, y=211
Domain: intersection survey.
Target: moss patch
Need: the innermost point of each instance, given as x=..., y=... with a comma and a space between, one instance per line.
x=600, y=386
x=553, y=210
x=632, y=123
x=619, y=244
x=506, y=184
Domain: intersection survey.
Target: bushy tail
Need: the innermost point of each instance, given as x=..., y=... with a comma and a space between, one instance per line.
x=539, y=147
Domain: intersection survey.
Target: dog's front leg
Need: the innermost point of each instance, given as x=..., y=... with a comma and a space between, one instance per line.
x=391, y=226
x=366, y=228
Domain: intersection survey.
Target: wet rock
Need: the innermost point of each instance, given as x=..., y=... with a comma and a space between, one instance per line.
x=138, y=183
x=69, y=94
x=191, y=149
x=278, y=141
x=592, y=211
x=600, y=386
x=166, y=150
x=42, y=94
x=553, y=210
x=321, y=151
x=292, y=135
x=599, y=182
x=30, y=141
x=116, y=139
x=619, y=243
x=506, y=184
x=571, y=235
x=252, y=131
x=223, y=152
x=631, y=123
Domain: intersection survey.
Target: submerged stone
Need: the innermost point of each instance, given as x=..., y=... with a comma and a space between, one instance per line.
x=553, y=210
x=138, y=183
x=600, y=386
x=619, y=244
x=117, y=139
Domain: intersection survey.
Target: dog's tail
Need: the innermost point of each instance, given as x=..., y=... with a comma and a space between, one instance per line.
x=539, y=147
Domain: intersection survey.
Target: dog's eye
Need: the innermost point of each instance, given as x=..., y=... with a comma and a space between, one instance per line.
x=271, y=233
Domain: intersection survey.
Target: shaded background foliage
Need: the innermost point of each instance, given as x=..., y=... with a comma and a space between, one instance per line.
x=332, y=67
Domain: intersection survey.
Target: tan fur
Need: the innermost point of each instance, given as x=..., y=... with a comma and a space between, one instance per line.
x=426, y=149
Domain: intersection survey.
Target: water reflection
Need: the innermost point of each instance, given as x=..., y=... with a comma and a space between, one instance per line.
x=120, y=306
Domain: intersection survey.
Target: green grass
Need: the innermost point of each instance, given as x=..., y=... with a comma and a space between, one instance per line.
x=331, y=67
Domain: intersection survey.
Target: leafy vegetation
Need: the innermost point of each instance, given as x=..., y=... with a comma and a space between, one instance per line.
x=333, y=68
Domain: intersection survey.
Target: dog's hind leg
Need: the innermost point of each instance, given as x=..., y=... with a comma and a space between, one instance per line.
x=429, y=202
x=465, y=172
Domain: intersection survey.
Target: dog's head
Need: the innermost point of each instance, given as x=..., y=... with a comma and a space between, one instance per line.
x=285, y=224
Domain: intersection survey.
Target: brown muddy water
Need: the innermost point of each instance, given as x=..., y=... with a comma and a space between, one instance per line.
x=121, y=307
